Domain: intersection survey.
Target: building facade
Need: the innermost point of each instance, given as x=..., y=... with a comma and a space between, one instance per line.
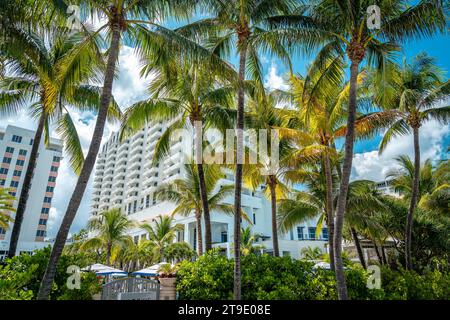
x=15, y=149
x=125, y=178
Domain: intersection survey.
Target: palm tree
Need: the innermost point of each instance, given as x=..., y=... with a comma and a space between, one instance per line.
x=124, y=19
x=343, y=30
x=200, y=94
x=248, y=240
x=111, y=229
x=263, y=114
x=186, y=194
x=364, y=203
x=437, y=199
x=238, y=24
x=161, y=234
x=321, y=97
x=311, y=253
x=47, y=72
x=6, y=206
x=413, y=94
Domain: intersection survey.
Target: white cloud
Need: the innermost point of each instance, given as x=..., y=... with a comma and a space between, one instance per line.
x=372, y=166
x=274, y=81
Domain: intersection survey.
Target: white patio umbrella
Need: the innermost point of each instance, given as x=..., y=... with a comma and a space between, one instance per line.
x=323, y=265
x=102, y=270
x=151, y=271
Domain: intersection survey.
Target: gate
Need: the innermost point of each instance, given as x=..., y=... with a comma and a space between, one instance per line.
x=131, y=289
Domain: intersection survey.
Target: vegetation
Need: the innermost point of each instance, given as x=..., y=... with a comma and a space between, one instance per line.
x=355, y=88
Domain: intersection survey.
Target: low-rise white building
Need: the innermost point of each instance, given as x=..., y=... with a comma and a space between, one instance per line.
x=15, y=149
x=125, y=178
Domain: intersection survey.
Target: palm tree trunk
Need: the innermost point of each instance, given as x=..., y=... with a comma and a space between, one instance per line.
x=239, y=161
x=108, y=253
x=343, y=189
x=205, y=205
x=198, y=219
x=377, y=251
x=383, y=254
x=22, y=205
x=358, y=248
x=273, y=200
x=77, y=195
x=414, y=198
x=329, y=208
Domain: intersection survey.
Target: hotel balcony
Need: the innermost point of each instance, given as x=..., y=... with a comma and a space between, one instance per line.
x=123, y=152
x=137, y=157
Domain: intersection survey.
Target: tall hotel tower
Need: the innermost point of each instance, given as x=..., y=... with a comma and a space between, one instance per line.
x=125, y=178
x=15, y=149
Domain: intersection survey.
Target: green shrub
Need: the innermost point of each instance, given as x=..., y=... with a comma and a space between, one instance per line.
x=271, y=278
x=23, y=274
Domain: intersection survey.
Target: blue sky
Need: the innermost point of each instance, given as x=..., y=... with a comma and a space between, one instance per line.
x=129, y=88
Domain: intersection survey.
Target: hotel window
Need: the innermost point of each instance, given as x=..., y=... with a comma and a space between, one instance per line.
x=17, y=139
x=31, y=141
x=136, y=239
x=254, y=218
x=129, y=208
x=56, y=159
x=20, y=163
x=47, y=199
x=14, y=184
x=300, y=235
x=6, y=160
x=12, y=193
x=43, y=222
x=50, y=189
x=10, y=149
x=45, y=210
x=22, y=152
x=40, y=233
x=134, y=206
x=2, y=182
x=224, y=236
x=155, y=184
x=312, y=233
x=54, y=169
x=325, y=233
x=51, y=179
x=147, y=201
x=154, y=200
x=2, y=231
x=17, y=173
x=3, y=171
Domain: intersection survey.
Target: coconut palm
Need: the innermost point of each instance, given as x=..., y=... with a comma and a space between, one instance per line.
x=161, y=233
x=6, y=207
x=134, y=20
x=187, y=96
x=248, y=240
x=414, y=94
x=110, y=229
x=321, y=97
x=364, y=203
x=343, y=29
x=271, y=168
x=48, y=73
x=311, y=253
x=239, y=24
x=437, y=199
x=186, y=194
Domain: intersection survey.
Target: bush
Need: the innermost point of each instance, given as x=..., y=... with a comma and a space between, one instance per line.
x=23, y=274
x=271, y=278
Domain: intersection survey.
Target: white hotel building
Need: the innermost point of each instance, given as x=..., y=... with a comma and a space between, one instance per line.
x=15, y=149
x=125, y=178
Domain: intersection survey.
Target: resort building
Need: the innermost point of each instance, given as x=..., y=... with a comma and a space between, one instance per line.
x=15, y=149
x=125, y=178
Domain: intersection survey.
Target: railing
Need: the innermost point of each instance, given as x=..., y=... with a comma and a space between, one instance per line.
x=112, y=289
